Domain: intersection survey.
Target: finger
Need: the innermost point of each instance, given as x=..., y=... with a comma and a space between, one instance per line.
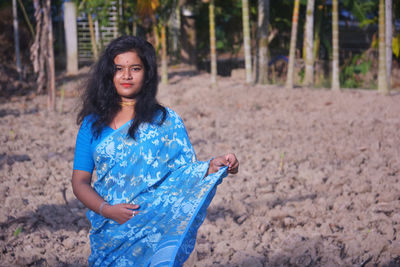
x=220, y=161
x=234, y=169
x=134, y=206
x=228, y=158
x=131, y=206
x=235, y=165
x=231, y=158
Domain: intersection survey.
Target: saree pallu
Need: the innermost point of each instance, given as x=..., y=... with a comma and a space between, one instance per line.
x=159, y=171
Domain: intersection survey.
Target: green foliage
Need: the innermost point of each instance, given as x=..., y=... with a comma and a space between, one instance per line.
x=165, y=10
x=352, y=72
x=99, y=9
x=18, y=231
x=228, y=27
x=302, y=74
x=361, y=9
x=396, y=45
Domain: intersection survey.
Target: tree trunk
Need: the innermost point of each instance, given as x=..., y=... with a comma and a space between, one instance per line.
x=335, y=46
x=382, y=78
x=263, y=21
x=246, y=40
x=317, y=31
x=293, y=39
x=175, y=26
x=156, y=35
x=38, y=48
x=134, y=27
x=389, y=36
x=164, y=60
x=309, y=73
x=51, y=93
x=213, y=50
x=188, y=38
x=16, y=39
x=93, y=37
x=71, y=37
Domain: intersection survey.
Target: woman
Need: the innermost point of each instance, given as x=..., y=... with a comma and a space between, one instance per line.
x=151, y=193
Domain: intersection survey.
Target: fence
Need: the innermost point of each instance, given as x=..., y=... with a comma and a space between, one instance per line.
x=103, y=34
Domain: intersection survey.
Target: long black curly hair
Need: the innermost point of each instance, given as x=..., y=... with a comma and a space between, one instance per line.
x=100, y=97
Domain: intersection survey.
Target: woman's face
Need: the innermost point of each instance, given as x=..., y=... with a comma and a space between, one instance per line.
x=129, y=75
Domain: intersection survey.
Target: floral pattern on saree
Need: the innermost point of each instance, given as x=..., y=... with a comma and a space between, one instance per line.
x=158, y=171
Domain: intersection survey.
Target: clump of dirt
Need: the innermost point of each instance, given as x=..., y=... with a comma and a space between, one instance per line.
x=318, y=183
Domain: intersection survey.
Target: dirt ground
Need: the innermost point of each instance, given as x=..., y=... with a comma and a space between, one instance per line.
x=318, y=183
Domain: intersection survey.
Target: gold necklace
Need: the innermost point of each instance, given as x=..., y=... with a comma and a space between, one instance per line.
x=127, y=103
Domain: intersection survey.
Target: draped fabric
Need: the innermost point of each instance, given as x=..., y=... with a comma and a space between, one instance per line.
x=158, y=171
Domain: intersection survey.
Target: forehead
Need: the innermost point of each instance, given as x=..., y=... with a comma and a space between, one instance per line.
x=128, y=58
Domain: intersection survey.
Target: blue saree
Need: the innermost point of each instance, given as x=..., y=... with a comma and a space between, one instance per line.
x=160, y=173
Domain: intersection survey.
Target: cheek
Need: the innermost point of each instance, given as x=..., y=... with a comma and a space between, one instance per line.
x=115, y=79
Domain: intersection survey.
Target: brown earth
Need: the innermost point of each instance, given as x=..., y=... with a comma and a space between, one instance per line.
x=318, y=183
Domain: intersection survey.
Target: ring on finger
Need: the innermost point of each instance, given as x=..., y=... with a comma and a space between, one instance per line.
x=133, y=213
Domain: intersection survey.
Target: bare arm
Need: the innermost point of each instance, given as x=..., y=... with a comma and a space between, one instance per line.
x=84, y=191
x=88, y=196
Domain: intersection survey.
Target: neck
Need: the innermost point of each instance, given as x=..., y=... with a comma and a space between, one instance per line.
x=127, y=103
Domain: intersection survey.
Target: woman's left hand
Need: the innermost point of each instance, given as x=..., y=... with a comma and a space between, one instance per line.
x=229, y=160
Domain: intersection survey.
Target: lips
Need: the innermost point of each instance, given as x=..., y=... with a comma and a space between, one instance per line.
x=126, y=85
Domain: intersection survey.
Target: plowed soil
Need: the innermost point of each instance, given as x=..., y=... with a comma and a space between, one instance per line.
x=318, y=183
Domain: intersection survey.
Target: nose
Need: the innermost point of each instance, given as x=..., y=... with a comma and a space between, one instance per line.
x=126, y=74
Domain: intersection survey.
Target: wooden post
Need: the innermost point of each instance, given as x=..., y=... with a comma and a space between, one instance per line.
x=309, y=36
x=335, y=45
x=389, y=36
x=263, y=21
x=382, y=78
x=292, y=51
x=247, y=40
x=164, y=59
x=213, y=56
x=71, y=37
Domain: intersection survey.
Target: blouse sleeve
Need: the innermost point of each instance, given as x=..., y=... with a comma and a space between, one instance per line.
x=83, y=148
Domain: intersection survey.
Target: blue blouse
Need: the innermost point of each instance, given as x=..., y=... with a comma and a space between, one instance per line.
x=86, y=144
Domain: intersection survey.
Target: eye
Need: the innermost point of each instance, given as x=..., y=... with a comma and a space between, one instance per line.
x=136, y=69
x=118, y=68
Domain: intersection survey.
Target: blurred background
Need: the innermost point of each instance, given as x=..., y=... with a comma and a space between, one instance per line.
x=39, y=36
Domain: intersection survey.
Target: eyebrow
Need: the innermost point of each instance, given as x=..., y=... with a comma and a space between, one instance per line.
x=133, y=65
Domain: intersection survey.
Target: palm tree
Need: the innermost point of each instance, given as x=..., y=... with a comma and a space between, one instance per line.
x=92, y=37
x=188, y=39
x=213, y=50
x=309, y=73
x=293, y=39
x=164, y=59
x=164, y=9
x=246, y=39
x=175, y=23
x=382, y=75
x=335, y=46
x=263, y=21
x=389, y=36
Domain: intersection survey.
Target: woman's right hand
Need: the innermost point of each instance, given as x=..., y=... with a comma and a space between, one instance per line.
x=120, y=213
